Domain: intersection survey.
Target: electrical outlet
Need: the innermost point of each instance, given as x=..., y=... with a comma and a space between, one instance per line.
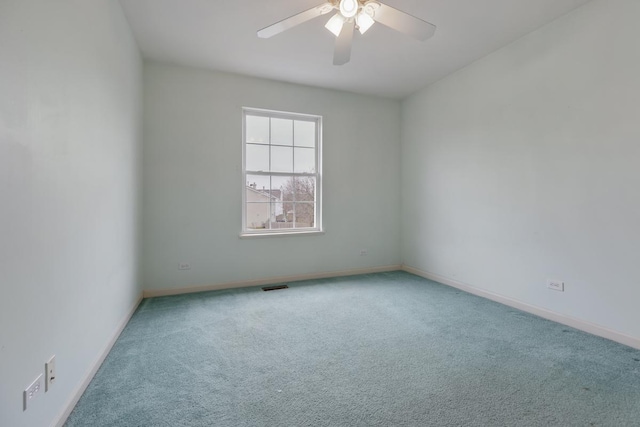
x=31, y=392
x=363, y=252
x=556, y=285
x=184, y=266
x=50, y=372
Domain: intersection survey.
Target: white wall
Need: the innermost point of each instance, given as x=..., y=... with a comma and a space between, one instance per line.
x=193, y=182
x=70, y=119
x=525, y=166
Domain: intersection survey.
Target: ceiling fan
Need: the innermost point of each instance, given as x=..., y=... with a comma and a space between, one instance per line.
x=352, y=15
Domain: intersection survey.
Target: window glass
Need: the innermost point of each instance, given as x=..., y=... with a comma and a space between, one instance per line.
x=281, y=153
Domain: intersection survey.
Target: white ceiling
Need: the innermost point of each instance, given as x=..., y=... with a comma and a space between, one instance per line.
x=221, y=35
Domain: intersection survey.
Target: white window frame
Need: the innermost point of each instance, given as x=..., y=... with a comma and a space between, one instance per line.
x=317, y=229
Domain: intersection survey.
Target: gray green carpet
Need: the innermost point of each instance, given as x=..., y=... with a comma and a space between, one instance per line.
x=388, y=349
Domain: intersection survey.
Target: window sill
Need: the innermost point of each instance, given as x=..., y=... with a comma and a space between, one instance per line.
x=287, y=234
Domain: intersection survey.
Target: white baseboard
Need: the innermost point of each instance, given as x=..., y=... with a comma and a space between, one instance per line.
x=80, y=389
x=582, y=325
x=149, y=293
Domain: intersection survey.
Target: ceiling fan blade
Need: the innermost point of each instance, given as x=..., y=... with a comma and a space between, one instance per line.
x=404, y=23
x=294, y=20
x=342, y=53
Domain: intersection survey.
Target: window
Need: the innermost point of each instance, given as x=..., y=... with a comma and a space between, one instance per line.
x=281, y=172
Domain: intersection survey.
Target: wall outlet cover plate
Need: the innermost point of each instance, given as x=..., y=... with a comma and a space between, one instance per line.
x=556, y=285
x=50, y=372
x=31, y=392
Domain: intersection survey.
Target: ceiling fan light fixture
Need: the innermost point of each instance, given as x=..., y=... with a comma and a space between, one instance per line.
x=335, y=24
x=352, y=14
x=349, y=8
x=364, y=22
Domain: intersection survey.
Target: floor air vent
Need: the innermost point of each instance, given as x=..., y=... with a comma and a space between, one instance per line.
x=274, y=288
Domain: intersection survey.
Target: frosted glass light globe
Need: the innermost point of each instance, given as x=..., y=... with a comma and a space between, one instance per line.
x=349, y=8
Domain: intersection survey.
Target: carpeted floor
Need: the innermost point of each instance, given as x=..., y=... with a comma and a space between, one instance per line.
x=388, y=349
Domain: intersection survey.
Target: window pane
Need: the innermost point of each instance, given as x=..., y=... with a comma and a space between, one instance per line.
x=281, y=159
x=282, y=132
x=278, y=186
x=305, y=189
x=257, y=131
x=305, y=215
x=277, y=213
x=305, y=160
x=260, y=184
x=282, y=187
x=305, y=133
x=257, y=158
x=277, y=183
x=258, y=215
